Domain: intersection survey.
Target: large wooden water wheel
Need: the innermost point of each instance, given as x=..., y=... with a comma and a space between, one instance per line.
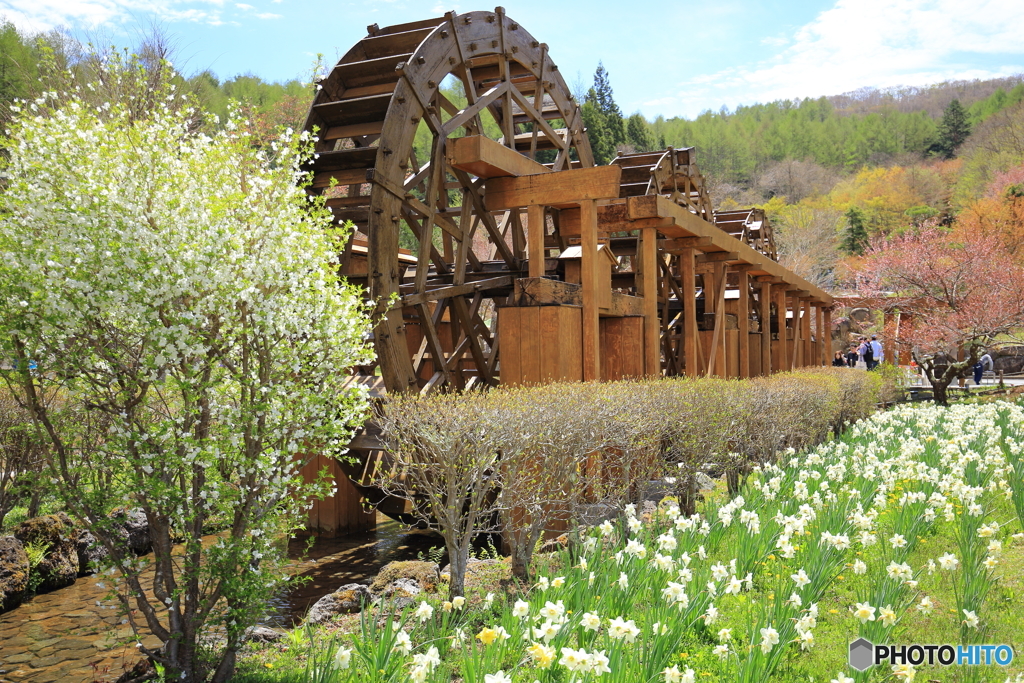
x=386, y=117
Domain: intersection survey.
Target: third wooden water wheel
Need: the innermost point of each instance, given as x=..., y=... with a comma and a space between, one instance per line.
x=427, y=248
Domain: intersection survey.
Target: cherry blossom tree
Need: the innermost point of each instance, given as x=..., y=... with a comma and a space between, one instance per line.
x=182, y=287
x=963, y=288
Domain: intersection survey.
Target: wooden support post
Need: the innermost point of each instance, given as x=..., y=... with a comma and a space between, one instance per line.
x=824, y=352
x=765, y=300
x=889, y=327
x=743, y=323
x=809, y=357
x=781, y=306
x=827, y=335
x=535, y=239
x=794, y=361
x=721, y=355
x=647, y=287
x=716, y=355
x=688, y=290
x=588, y=273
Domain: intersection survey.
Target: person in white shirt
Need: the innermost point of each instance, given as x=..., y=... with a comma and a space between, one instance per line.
x=876, y=353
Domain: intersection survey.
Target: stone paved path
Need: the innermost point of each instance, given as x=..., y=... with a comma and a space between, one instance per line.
x=66, y=636
x=74, y=635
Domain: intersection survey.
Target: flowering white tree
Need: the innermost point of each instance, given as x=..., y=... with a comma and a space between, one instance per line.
x=182, y=287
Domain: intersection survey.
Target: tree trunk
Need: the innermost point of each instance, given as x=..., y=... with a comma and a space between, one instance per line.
x=688, y=495
x=458, y=558
x=522, y=553
x=33, y=505
x=227, y=666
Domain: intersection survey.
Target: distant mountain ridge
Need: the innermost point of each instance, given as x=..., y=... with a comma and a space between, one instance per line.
x=932, y=99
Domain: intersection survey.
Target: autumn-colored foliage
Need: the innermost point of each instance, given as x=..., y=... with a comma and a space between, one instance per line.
x=1000, y=212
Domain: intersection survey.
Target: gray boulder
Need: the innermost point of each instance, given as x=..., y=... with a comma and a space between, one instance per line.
x=400, y=593
x=90, y=552
x=348, y=599
x=136, y=528
x=261, y=634
x=13, y=572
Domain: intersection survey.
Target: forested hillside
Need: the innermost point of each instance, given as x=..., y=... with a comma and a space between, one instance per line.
x=834, y=172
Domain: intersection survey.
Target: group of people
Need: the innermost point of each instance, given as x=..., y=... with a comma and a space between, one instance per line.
x=868, y=351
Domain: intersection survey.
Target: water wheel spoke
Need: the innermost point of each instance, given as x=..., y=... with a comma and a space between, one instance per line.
x=372, y=104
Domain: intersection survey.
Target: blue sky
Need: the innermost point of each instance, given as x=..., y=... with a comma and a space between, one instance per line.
x=664, y=58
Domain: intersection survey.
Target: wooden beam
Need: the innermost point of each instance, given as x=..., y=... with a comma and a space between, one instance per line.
x=688, y=287
x=687, y=224
x=678, y=243
x=808, y=355
x=827, y=335
x=542, y=291
x=486, y=158
x=743, y=323
x=535, y=239
x=718, y=350
x=647, y=287
x=781, y=306
x=823, y=351
x=765, y=300
x=795, y=299
x=588, y=273
x=563, y=188
x=453, y=290
x=718, y=256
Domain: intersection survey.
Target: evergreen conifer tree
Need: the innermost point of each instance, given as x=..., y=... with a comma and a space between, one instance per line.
x=953, y=130
x=638, y=133
x=855, y=238
x=603, y=118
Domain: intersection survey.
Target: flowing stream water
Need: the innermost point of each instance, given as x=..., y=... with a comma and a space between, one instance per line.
x=76, y=635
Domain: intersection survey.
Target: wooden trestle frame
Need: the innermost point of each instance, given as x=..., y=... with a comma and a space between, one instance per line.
x=483, y=298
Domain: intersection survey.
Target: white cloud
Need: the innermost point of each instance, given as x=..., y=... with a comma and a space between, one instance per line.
x=775, y=41
x=268, y=15
x=878, y=43
x=42, y=15
x=242, y=6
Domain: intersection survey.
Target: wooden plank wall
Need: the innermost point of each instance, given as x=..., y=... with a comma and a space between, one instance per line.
x=622, y=348
x=541, y=344
x=341, y=513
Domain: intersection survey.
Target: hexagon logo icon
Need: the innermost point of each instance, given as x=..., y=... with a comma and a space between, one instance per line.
x=862, y=654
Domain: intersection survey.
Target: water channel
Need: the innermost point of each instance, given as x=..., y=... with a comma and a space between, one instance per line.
x=75, y=635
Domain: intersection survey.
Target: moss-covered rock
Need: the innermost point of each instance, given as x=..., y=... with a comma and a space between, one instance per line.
x=13, y=572
x=59, y=566
x=348, y=599
x=425, y=574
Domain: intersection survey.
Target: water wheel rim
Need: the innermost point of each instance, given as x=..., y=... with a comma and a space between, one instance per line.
x=504, y=71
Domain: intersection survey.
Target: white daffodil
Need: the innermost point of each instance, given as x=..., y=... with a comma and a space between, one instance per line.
x=769, y=639
x=864, y=612
x=800, y=578
x=590, y=621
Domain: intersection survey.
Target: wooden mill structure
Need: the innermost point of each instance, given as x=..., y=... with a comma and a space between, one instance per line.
x=524, y=261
